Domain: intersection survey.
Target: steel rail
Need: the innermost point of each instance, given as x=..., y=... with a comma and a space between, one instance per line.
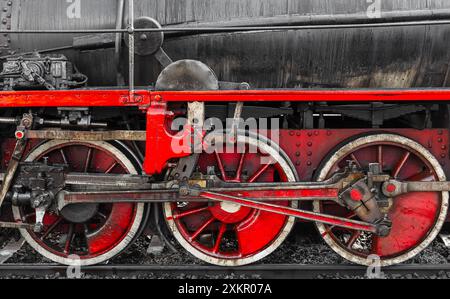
x=264, y=271
x=232, y=29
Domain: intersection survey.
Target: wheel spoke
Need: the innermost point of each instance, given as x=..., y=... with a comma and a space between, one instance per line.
x=400, y=164
x=190, y=212
x=202, y=228
x=380, y=156
x=259, y=173
x=103, y=216
x=220, y=165
x=63, y=155
x=69, y=237
x=51, y=228
x=240, y=166
x=88, y=160
x=222, y=230
x=110, y=168
x=353, y=239
x=330, y=228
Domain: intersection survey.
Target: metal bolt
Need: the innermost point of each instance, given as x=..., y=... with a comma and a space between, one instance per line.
x=184, y=191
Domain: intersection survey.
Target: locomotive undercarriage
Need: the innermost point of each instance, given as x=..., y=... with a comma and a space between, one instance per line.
x=45, y=185
x=84, y=168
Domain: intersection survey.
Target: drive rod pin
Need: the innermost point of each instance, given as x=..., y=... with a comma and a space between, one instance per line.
x=356, y=195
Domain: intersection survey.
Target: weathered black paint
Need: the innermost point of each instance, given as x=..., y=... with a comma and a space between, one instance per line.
x=375, y=57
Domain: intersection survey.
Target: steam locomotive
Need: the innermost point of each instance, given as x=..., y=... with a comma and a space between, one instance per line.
x=218, y=124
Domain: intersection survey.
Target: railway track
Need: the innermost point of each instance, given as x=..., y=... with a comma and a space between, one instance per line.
x=276, y=271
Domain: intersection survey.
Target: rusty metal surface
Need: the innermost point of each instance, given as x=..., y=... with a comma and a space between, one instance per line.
x=87, y=135
x=382, y=57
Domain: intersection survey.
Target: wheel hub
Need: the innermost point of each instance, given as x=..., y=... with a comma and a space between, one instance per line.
x=79, y=213
x=228, y=212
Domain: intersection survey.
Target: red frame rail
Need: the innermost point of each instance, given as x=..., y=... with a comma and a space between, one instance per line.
x=143, y=98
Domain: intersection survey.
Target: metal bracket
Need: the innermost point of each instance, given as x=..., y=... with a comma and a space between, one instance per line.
x=21, y=143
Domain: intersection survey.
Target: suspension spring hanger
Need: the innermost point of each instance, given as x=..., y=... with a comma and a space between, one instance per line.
x=21, y=143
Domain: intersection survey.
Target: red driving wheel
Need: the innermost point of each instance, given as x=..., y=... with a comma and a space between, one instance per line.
x=416, y=217
x=228, y=234
x=83, y=234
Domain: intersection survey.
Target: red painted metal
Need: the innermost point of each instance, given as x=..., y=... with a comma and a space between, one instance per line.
x=143, y=98
x=356, y=195
x=74, y=98
x=154, y=104
x=102, y=233
x=305, y=215
x=253, y=229
x=413, y=215
x=163, y=145
x=282, y=194
x=322, y=95
x=307, y=149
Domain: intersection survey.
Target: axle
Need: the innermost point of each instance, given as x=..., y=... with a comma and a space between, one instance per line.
x=358, y=191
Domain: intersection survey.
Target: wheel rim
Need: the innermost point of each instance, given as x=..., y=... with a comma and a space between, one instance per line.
x=226, y=234
x=416, y=217
x=112, y=226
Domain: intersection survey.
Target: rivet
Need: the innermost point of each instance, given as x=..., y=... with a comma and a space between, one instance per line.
x=440, y=132
x=310, y=154
x=443, y=155
x=309, y=134
x=328, y=133
x=316, y=133
x=439, y=139
x=298, y=144
x=297, y=154
x=291, y=133
x=297, y=163
x=309, y=143
x=309, y=163
x=299, y=133
x=443, y=147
